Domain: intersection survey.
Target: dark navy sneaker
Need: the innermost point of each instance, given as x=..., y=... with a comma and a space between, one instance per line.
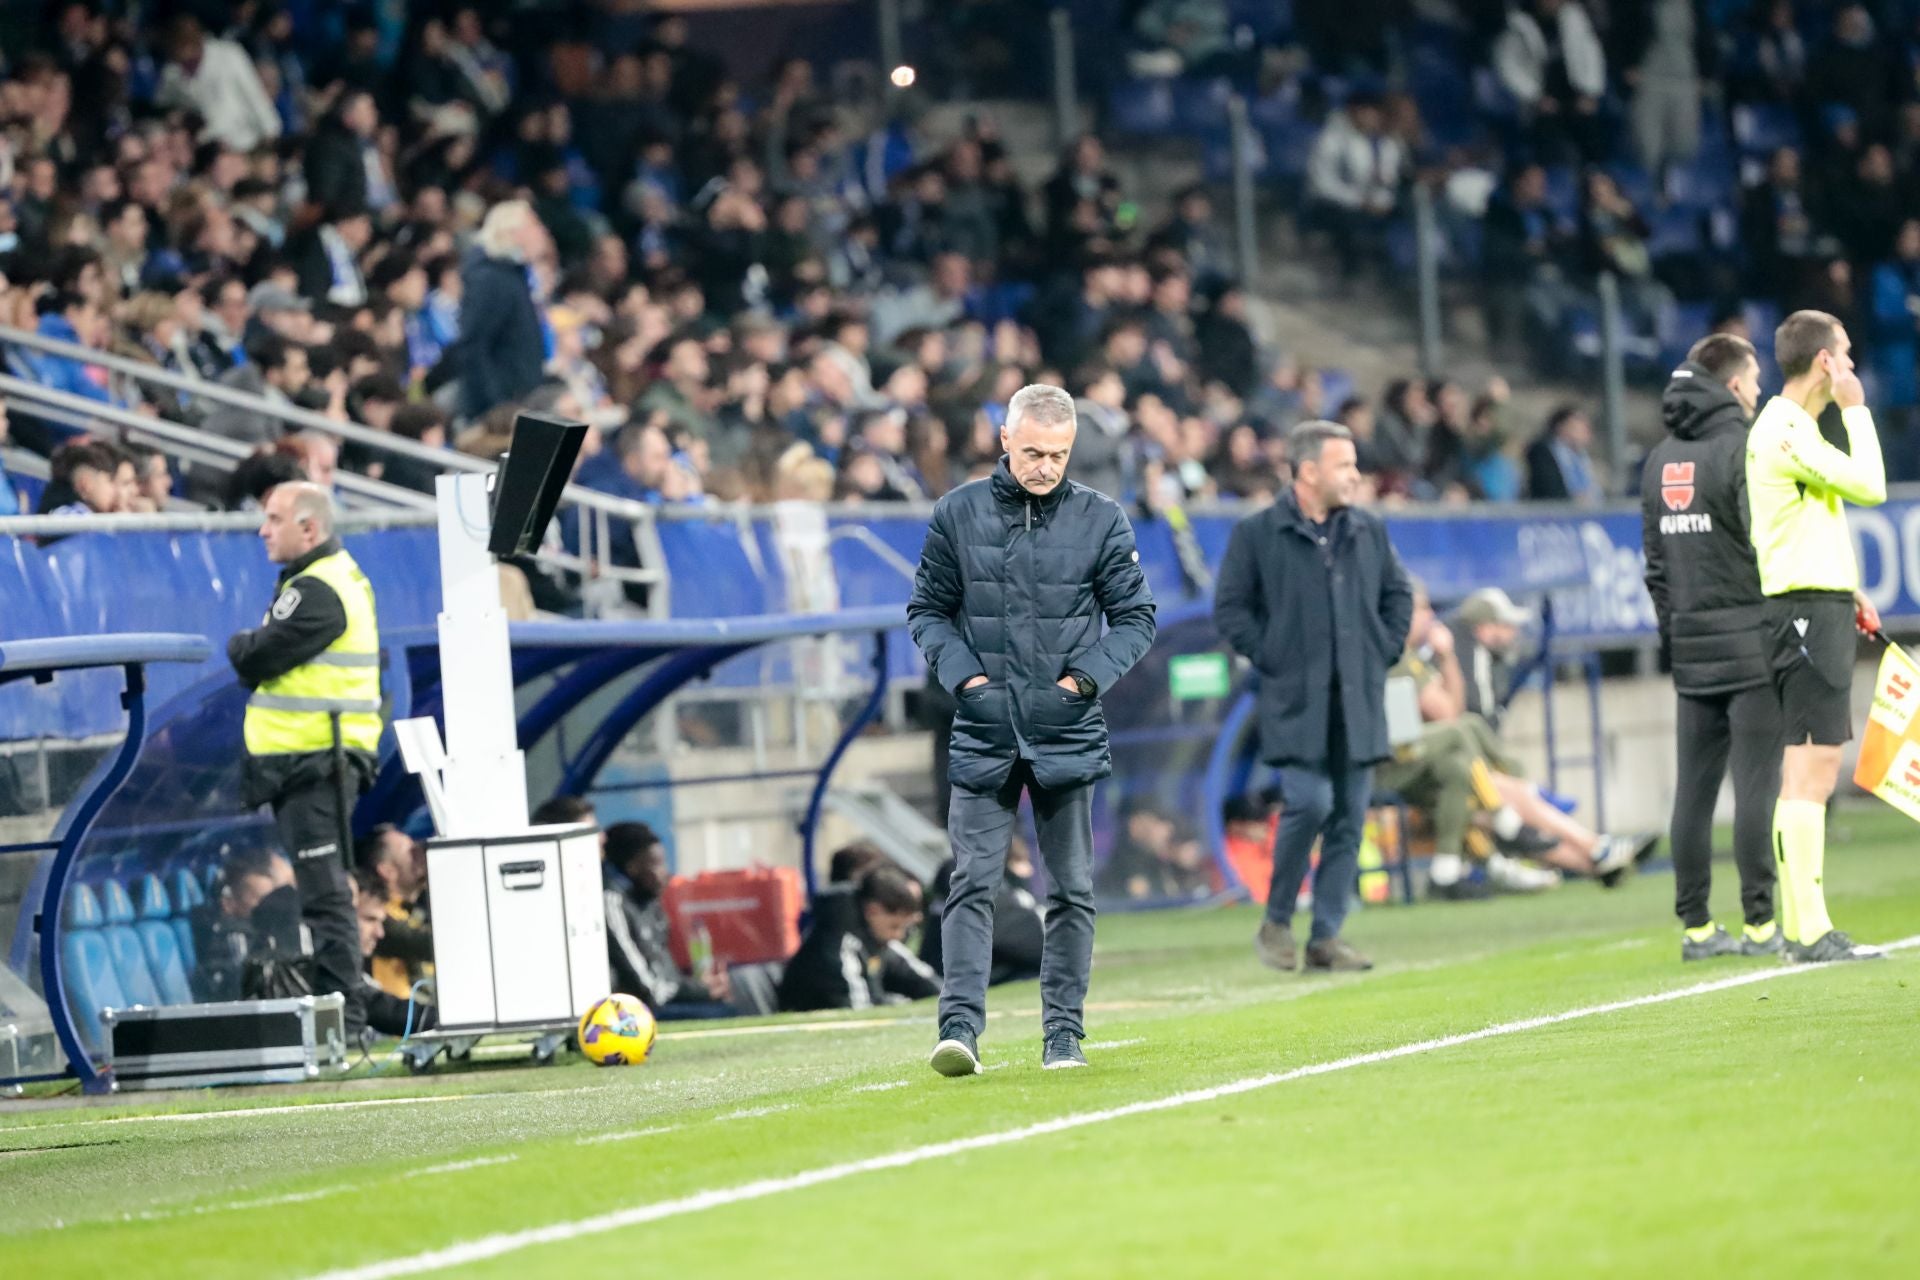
x=1716, y=944
x=1829, y=946
x=1062, y=1050
x=958, y=1053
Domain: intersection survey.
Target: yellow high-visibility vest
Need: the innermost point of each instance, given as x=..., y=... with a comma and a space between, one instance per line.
x=291, y=714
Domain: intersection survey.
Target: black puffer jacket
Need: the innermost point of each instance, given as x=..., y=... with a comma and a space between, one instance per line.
x=1694, y=518
x=1013, y=587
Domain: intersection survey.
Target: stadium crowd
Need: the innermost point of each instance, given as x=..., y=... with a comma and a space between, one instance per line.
x=748, y=295
x=1718, y=157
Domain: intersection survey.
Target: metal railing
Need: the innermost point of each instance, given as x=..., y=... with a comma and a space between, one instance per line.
x=597, y=510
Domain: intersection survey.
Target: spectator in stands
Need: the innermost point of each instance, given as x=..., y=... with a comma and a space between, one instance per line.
x=224, y=316
x=862, y=962
x=1229, y=354
x=1560, y=465
x=327, y=259
x=71, y=317
x=1662, y=47
x=275, y=370
x=257, y=476
x=642, y=963
x=1613, y=238
x=1895, y=298
x=1354, y=178
x=1771, y=59
x=84, y=480
x=392, y=870
x=1190, y=232
x=1856, y=70
x=9, y=494
x=1551, y=62
x=217, y=81
x=501, y=347
x=1523, y=260
x=341, y=157
x=153, y=478
x=1777, y=232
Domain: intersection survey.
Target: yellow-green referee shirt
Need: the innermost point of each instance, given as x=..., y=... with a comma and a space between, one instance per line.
x=1796, y=483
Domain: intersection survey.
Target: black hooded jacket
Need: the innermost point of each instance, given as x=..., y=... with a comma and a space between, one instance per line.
x=1701, y=569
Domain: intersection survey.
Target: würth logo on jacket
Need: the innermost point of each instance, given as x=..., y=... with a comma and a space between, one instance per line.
x=1676, y=490
x=1676, y=485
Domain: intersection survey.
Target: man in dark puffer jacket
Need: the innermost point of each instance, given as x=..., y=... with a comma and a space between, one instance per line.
x=1705, y=585
x=1017, y=571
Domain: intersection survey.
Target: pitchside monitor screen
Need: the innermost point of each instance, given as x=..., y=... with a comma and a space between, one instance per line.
x=531, y=478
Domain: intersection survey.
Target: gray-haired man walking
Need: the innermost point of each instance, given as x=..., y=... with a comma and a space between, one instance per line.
x=1017, y=573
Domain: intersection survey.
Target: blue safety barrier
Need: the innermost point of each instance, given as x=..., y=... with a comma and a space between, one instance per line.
x=724, y=565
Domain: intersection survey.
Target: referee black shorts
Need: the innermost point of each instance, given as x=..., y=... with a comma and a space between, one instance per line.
x=1811, y=637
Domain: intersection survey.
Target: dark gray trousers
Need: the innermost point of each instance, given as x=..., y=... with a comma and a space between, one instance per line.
x=1713, y=729
x=980, y=828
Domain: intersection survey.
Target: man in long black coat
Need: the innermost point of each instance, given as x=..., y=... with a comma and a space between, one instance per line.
x=1314, y=596
x=501, y=349
x=1017, y=573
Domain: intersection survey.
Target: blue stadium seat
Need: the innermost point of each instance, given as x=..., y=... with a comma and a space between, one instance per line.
x=186, y=896
x=1762, y=128
x=160, y=944
x=87, y=966
x=1200, y=106
x=1143, y=108
x=123, y=944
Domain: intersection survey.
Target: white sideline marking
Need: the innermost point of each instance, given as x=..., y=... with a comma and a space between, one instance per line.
x=881, y=1087
x=302, y=1197
x=629, y=1134
x=243, y=1113
x=456, y=1166
x=506, y=1242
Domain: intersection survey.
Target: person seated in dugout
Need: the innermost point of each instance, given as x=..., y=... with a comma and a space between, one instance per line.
x=398, y=863
x=387, y=1014
x=639, y=959
x=859, y=959
x=1019, y=922
x=1470, y=787
x=1250, y=822
x=1151, y=861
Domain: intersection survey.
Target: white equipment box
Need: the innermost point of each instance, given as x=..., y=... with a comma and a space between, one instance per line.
x=519, y=927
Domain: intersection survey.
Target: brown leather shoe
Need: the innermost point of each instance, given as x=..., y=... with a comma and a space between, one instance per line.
x=1334, y=955
x=1274, y=945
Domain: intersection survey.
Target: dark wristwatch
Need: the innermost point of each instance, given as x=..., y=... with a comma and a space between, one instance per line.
x=1086, y=687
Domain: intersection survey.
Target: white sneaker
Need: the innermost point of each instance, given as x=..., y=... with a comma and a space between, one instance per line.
x=1515, y=876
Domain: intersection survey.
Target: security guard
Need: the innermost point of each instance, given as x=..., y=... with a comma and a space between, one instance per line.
x=315, y=658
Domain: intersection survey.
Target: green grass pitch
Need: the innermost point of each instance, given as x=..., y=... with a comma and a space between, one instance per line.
x=1771, y=1127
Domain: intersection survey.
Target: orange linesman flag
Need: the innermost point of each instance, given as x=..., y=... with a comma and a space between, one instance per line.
x=1889, y=764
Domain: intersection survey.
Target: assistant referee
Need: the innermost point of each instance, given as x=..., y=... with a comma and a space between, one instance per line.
x=1798, y=484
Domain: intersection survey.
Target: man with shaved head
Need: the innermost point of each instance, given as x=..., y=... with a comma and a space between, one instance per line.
x=1018, y=572
x=313, y=718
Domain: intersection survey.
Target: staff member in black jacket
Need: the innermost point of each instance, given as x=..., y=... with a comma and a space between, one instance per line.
x=315, y=657
x=1314, y=596
x=1017, y=572
x=1705, y=585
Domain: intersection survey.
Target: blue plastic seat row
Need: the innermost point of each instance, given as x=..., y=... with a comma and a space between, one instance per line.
x=118, y=952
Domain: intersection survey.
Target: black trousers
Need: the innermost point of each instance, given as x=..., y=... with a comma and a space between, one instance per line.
x=1743, y=727
x=308, y=815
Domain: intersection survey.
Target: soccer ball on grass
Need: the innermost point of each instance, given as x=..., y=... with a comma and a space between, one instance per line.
x=618, y=1031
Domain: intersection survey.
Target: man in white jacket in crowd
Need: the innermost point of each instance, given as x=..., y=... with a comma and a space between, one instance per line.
x=1354, y=176
x=216, y=79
